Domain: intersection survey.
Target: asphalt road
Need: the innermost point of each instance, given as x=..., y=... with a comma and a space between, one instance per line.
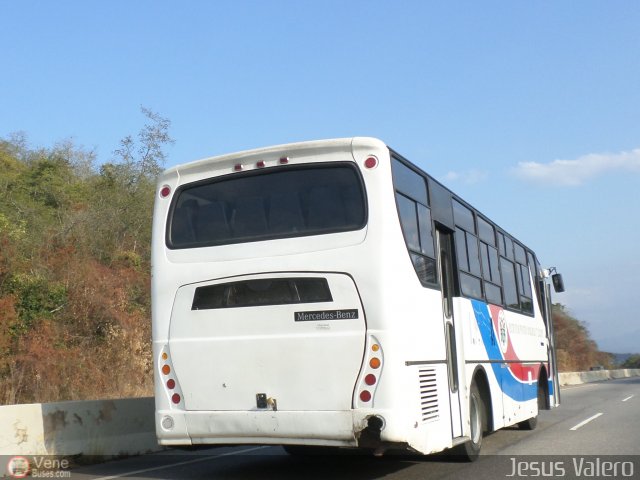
x=594, y=434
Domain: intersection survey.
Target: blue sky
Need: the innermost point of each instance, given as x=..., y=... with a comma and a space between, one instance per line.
x=528, y=110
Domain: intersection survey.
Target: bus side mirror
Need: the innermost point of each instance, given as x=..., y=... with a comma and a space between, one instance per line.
x=558, y=284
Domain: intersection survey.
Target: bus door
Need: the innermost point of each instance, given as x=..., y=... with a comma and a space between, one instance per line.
x=551, y=349
x=445, y=264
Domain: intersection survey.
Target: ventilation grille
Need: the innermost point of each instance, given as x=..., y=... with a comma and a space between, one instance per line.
x=428, y=394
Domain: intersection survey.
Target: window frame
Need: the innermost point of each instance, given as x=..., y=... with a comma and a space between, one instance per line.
x=466, y=270
x=404, y=193
x=267, y=171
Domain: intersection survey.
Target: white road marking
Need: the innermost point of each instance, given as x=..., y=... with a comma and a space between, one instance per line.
x=177, y=464
x=629, y=397
x=583, y=423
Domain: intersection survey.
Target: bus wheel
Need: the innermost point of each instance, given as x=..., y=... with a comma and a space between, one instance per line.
x=470, y=450
x=532, y=423
x=529, y=424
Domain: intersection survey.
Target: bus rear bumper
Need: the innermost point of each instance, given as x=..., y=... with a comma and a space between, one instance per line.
x=328, y=428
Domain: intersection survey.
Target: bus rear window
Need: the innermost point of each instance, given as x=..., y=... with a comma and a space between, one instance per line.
x=253, y=293
x=269, y=204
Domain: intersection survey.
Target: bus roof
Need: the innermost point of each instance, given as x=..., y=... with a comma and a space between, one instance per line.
x=307, y=148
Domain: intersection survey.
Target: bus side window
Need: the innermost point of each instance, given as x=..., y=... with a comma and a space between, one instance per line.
x=509, y=283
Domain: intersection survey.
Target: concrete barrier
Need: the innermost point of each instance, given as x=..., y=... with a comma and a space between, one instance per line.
x=98, y=427
x=576, y=378
x=125, y=427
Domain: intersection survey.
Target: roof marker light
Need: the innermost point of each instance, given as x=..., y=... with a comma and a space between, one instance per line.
x=371, y=162
x=284, y=160
x=165, y=191
x=237, y=167
x=261, y=164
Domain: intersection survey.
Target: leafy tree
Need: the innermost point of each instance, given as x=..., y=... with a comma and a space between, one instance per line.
x=124, y=191
x=632, y=362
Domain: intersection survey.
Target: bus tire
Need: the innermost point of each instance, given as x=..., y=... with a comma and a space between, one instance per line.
x=532, y=423
x=470, y=450
x=529, y=423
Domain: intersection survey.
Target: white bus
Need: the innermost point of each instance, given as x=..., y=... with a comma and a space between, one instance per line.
x=331, y=293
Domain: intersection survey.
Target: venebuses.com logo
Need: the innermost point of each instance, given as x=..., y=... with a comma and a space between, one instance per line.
x=38, y=467
x=18, y=467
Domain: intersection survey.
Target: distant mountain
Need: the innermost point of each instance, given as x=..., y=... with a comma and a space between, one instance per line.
x=620, y=358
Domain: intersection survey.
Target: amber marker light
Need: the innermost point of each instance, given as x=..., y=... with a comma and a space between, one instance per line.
x=166, y=369
x=375, y=362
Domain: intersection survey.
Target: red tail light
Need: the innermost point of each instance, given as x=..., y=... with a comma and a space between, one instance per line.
x=371, y=371
x=172, y=388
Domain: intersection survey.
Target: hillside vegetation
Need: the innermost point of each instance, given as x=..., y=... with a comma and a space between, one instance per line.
x=74, y=272
x=632, y=362
x=74, y=268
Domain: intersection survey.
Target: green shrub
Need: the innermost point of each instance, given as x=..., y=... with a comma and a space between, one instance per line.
x=36, y=298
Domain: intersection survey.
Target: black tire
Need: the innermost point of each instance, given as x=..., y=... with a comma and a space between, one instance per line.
x=529, y=424
x=532, y=423
x=470, y=450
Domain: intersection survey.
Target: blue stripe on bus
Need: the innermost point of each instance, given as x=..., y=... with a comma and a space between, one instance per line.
x=509, y=384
